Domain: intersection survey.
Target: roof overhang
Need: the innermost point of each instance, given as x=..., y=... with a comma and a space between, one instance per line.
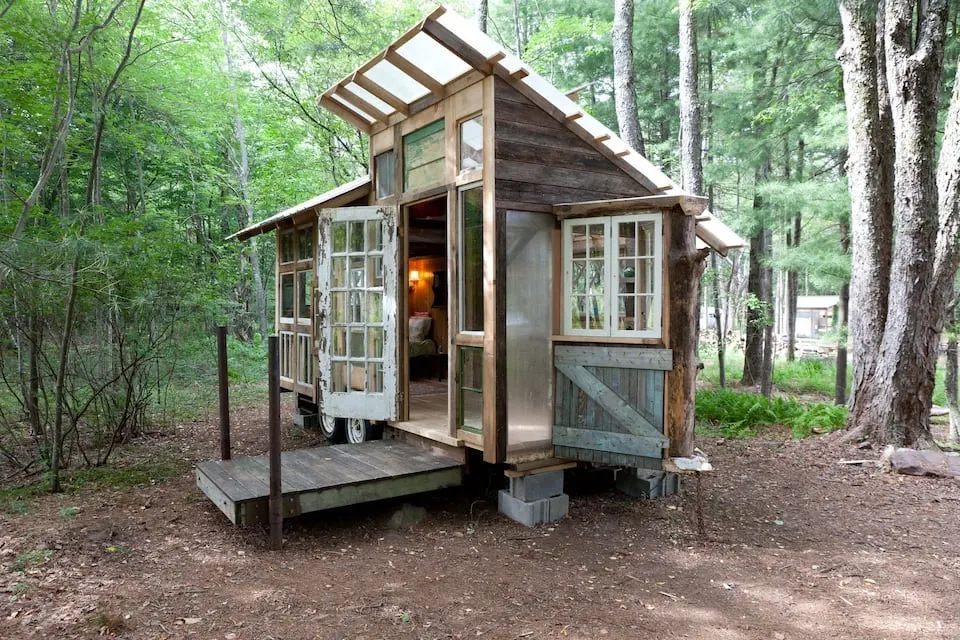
x=436, y=58
x=711, y=232
x=342, y=195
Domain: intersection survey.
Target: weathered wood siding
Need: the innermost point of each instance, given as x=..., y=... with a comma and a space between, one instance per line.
x=609, y=404
x=539, y=162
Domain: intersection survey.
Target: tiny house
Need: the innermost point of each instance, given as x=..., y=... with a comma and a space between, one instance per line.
x=498, y=280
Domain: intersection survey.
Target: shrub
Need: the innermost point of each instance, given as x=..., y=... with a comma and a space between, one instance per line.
x=738, y=415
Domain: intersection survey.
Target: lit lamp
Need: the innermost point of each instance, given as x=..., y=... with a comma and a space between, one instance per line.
x=414, y=278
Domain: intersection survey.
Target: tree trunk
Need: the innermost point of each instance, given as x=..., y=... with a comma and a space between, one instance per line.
x=516, y=28
x=686, y=263
x=691, y=141
x=756, y=313
x=843, y=315
x=482, y=12
x=950, y=380
x=242, y=168
x=624, y=87
x=766, y=381
x=868, y=172
x=721, y=334
x=892, y=406
x=793, y=280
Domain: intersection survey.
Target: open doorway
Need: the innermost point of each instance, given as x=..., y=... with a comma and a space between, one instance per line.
x=428, y=322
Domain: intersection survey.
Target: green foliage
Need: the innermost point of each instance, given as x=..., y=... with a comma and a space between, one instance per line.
x=31, y=559
x=68, y=513
x=735, y=414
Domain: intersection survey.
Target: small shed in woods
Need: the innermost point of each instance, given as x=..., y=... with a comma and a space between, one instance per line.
x=498, y=282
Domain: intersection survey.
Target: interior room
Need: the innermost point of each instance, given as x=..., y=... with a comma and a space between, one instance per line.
x=427, y=335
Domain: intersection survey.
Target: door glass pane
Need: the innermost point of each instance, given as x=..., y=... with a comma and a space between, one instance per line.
x=339, y=342
x=338, y=377
x=358, y=375
x=355, y=312
x=579, y=279
x=356, y=342
x=647, y=237
x=471, y=389
x=578, y=309
x=596, y=241
x=305, y=244
x=471, y=256
x=375, y=271
x=375, y=342
x=595, y=281
x=339, y=237
x=304, y=294
x=595, y=312
x=628, y=239
x=374, y=235
x=374, y=306
x=356, y=272
x=578, y=240
x=286, y=246
x=338, y=273
x=338, y=306
x=375, y=377
x=286, y=295
x=628, y=276
x=356, y=237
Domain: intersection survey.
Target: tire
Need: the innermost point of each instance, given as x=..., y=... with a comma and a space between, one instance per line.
x=359, y=430
x=332, y=428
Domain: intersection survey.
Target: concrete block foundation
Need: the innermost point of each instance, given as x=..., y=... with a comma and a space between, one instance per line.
x=647, y=484
x=535, y=499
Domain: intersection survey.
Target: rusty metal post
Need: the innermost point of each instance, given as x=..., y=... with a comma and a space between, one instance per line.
x=224, y=393
x=276, y=494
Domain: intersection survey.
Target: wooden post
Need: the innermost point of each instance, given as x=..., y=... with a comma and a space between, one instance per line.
x=276, y=494
x=224, y=393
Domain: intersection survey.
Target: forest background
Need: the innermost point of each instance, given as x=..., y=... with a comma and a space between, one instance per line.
x=136, y=135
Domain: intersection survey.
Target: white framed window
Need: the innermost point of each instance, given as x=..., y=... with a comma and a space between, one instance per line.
x=613, y=276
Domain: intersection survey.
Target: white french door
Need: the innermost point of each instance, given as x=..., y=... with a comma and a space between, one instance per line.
x=357, y=280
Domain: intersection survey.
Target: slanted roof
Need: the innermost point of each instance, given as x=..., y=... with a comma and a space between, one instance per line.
x=344, y=194
x=817, y=302
x=421, y=65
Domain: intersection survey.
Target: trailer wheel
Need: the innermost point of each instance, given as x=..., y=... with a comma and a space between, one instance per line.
x=360, y=430
x=332, y=428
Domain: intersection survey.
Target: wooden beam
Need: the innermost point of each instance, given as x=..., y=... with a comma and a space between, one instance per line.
x=575, y=116
x=494, y=289
x=575, y=209
x=519, y=74
x=413, y=71
x=349, y=96
x=353, y=118
x=374, y=88
x=603, y=137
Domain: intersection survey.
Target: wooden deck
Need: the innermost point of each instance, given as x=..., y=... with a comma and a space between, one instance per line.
x=325, y=478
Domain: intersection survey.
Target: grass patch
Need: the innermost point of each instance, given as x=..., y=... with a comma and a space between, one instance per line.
x=96, y=478
x=31, y=559
x=733, y=414
x=808, y=376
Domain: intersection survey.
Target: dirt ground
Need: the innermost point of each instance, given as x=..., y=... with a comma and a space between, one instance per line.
x=797, y=546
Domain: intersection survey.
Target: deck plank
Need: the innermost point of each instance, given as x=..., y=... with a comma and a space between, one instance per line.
x=324, y=477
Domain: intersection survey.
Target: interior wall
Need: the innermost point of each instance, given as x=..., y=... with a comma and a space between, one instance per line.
x=422, y=295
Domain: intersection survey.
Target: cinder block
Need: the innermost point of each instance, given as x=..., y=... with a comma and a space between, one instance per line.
x=648, y=484
x=306, y=420
x=537, y=486
x=533, y=513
